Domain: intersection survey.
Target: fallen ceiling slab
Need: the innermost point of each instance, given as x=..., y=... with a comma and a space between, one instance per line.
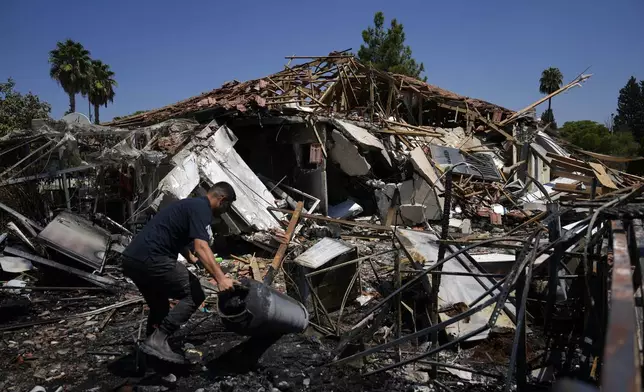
x=346, y=154
x=363, y=138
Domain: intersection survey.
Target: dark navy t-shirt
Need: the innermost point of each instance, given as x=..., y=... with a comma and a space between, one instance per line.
x=172, y=229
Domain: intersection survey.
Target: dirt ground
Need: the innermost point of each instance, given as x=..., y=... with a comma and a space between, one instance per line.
x=97, y=353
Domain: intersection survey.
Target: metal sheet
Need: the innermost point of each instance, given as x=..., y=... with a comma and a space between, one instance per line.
x=548, y=143
x=182, y=179
x=77, y=238
x=322, y=252
x=219, y=161
x=453, y=289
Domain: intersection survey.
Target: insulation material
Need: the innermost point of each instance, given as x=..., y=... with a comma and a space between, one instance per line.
x=453, y=289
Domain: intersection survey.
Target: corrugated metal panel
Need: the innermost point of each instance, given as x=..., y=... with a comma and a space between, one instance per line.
x=446, y=156
x=218, y=161
x=322, y=252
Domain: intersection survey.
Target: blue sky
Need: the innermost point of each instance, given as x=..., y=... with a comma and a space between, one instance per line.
x=166, y=51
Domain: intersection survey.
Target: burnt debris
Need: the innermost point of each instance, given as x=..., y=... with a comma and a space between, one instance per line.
x=436, y=242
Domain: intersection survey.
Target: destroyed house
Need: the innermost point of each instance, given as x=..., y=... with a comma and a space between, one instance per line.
x=408, y=220
x=328, y=126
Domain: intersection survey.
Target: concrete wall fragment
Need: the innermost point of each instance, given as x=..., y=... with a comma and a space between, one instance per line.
x=346, y=154
x=364, y=139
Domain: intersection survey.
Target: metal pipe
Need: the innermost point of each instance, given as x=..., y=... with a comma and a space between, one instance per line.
x=334, y=267
x=519, y=336
x=436, y=278
x=27, y=157
x=427, y=271
x=422, y=332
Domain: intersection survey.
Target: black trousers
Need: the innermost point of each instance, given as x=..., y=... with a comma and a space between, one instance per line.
x=159, y=279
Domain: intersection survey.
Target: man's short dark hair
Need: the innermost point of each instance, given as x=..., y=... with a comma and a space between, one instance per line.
x=223, y=189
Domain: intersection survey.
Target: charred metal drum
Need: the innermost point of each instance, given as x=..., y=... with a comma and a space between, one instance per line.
x=254, y=309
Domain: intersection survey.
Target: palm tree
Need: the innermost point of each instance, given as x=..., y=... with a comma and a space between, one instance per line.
x=69, y=67
x=551, y=81
x=101, y=86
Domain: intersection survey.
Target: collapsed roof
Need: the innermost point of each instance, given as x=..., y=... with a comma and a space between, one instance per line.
x=324, y=85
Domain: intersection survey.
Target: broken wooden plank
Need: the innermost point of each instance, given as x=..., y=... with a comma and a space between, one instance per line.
x=243, y=260
x=572, y=188
x=610, y=158
x=430, y=132
x=333, y=220
x=572, y=167
x=516, y=115
x=569, y=160
x=541, y=153
x=281, y=251
x=495, y=127
x=257, y=275
x=578, y=177
x=602, y=176
x=106, y=319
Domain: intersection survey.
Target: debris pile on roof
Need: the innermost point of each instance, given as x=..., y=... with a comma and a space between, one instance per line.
x=445, y=240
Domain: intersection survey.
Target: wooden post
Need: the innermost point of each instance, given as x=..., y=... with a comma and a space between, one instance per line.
x=281, y=251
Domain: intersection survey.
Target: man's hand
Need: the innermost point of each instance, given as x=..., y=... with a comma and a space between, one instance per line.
x=208, y=259
x=225, y=283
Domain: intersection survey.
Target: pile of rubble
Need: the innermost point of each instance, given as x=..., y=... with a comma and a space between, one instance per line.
x=445, y=240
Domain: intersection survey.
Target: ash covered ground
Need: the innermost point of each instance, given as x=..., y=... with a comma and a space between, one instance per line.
x=95, y=354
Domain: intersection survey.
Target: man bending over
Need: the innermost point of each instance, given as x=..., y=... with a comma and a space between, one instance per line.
x=151, y=262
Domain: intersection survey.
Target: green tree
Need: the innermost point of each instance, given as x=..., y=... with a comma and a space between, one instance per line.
x=548, y=117
x=101, y=86
x=550, y=81
x=17, y=110
x=630, y=108
x=386, y=49
x=70, y=65
x=592, y=136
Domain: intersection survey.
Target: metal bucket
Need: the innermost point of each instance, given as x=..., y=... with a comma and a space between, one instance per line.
x=255, y=309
